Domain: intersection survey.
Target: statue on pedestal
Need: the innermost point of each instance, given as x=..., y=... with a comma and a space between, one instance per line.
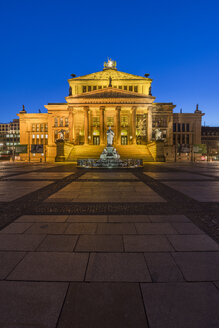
x=110, y=135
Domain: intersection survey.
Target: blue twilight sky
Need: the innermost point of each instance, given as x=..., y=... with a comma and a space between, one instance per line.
x=43, y=42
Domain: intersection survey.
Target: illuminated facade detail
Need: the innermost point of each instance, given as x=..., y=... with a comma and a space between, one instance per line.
x=104, y=99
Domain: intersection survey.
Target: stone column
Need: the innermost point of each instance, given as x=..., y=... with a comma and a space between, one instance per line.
x=86, y=125
x=149, y=124
x=118, y=133
x=102, y=130
x=134, y=124
x=89, y=126
x=70, y=124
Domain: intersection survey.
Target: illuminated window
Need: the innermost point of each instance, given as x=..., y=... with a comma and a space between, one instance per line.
x=66, y=121
x=61, y=122
x=41, y=127
x=38, y=127
x=42, y=136
x=46, y=127
x=33, y=127
x=136, y=88
x=55, y=121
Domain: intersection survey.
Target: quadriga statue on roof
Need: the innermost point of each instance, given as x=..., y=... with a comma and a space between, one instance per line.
x=110, y=136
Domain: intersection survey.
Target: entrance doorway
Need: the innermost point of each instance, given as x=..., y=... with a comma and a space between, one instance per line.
x=96, y=140
x=124, y=140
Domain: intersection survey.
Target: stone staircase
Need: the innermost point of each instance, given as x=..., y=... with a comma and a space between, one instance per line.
x=83, y=152
x=136, y=152
x=73, y=153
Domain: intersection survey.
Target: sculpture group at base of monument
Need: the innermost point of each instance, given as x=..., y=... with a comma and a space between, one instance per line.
x=110, y=157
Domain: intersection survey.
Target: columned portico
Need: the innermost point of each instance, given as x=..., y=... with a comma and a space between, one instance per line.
x=118, y=133
x=86, y=125
x=149, y=127
x=102, y=110
x=133, y=119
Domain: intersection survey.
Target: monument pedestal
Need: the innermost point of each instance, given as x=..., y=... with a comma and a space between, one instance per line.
x=60, y=154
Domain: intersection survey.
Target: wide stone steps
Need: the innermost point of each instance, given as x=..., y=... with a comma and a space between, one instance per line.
x=83, y=152
x=126, y=152
x=135, y=151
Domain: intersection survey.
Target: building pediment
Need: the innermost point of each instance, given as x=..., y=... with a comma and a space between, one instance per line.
x=106, y=74
x=110, y=95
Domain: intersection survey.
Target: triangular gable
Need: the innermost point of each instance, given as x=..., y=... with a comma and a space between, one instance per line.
x=106, y=74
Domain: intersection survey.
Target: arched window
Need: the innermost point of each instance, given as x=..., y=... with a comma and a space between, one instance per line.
x=55, y=121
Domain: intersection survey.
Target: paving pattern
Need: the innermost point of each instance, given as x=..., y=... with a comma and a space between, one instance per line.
x=123, y=248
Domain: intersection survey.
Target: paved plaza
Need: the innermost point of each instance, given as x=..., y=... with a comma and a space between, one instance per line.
x=109, y=248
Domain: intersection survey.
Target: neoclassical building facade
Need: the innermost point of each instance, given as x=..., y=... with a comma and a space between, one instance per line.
x=108, y=98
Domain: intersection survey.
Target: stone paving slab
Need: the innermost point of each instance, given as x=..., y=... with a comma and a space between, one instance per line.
x=47, y=228
x=8, y=260
x=30, y=304
x=155, y=228
x=129, y=218
x=41, y=175
x=99, y=243
x=42, y=218
x=162, y=267
x=187, y=228
x=81, y=228
x=176, y=176
x=141, y=243
x=107, y=305
x=202, y=191
x=116, y=228
x=193, y=243
x=58, y=243
x=16, y=228
x=106, y=192
x=10, y=190
x=108, y=175
x=168, y=218
x=87, y=218
x=20, y=242
x=118, y=267
x=48, y=266
x=198, y=266
x=190, y=305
